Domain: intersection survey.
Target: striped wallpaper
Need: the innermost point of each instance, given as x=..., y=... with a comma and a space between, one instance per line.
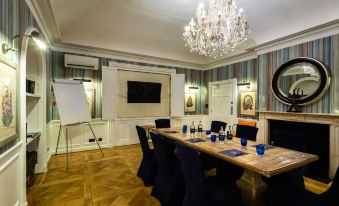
x=9, y=25
x=192, y=77
x=244, y=71
x=324, y=50
x=258, y=71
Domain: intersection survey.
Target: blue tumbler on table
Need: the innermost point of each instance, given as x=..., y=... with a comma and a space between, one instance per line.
x=243, y=142
x=213, y=138
x=260, y=149
x=184, y=129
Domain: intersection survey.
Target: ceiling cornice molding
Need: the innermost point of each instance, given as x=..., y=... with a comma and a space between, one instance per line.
x=248, y=55
x=36, y=16
x=111, y=54
x=41, y=11
x=318, y=32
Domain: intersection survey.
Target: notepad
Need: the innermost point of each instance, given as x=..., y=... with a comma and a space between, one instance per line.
x=171, y=132
x=233, y=153
x=195, y=140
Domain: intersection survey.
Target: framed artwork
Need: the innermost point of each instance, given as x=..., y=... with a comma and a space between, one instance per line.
x=8, y=127
x=247, y=103
x=190, y=102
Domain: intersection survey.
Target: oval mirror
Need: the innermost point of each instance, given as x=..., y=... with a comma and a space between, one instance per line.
x=301, y=81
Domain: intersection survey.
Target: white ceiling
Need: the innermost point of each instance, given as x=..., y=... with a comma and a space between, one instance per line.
x=155, y=27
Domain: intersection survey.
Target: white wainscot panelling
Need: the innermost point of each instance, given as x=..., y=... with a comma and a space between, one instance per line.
x=9, y=176
x=187, y=119
x=78, y=136
x=125, y=131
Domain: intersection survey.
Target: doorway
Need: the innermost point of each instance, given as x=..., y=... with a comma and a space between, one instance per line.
x=223, y=101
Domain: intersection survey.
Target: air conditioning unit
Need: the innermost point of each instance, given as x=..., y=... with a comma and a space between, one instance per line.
x=81, y=62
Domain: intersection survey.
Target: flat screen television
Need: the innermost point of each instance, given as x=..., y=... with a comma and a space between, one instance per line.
x=143, y=92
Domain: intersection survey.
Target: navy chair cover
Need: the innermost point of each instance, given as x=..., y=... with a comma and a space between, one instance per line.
x=148, y=166
x=248, y=132
x=202, y=191
x=216, y=125
x=282, y=193
x=162, y=123
x=169, y=186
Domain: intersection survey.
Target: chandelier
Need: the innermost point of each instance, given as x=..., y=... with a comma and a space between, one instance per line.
x=218, y=32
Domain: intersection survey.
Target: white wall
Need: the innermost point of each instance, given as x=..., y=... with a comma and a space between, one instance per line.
x=78, y=136
x=9, y=177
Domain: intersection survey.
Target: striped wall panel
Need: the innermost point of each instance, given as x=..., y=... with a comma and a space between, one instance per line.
x=9, y=25
x=244, y=71
x=324, y=50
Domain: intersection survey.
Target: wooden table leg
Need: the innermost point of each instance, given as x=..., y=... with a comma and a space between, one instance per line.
x=252, y=188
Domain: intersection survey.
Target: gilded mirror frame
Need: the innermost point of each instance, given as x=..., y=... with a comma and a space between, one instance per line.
x=325, y=80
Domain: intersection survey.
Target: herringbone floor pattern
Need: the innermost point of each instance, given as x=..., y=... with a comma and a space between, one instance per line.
x=93, y=180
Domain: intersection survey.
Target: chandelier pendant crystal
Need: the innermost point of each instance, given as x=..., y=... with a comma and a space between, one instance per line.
x=219, y=32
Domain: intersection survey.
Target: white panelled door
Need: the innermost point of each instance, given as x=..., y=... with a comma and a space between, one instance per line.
x=177, y=95
x=223, y=101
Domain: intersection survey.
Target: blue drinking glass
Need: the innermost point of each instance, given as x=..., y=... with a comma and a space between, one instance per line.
x=213, y=138
x=260, y=149
x=208, y=132
x=243, y=142
x=184, y=129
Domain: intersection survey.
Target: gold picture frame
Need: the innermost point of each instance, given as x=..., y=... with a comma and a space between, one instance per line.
x=190, y=102
x=247, y=103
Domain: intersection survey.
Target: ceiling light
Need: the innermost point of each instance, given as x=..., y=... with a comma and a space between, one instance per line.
x=219, y=32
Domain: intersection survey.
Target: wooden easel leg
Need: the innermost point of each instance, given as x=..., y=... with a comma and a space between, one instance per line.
x=56, y=149
x=66, y=147
x=95, y=138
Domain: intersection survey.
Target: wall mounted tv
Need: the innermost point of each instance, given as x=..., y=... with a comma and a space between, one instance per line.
x=143, y=92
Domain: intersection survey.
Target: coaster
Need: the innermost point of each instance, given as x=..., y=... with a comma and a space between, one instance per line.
x=195, y=140
x=267, y=146
x=233, y=153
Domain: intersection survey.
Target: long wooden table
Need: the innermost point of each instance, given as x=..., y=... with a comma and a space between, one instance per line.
x=275, y=161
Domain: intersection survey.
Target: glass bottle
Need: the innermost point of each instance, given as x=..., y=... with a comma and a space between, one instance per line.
x=192, y=129
x=200, y=129
x=229, y=135
x=222, y=135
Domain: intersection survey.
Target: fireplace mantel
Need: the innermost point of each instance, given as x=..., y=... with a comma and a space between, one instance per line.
x=319, y=118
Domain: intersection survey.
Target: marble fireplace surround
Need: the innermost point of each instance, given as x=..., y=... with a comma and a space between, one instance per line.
x=329, y=119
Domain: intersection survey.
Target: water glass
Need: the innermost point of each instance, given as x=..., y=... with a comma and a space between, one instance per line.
x=208, y=133
x=213, y=138
x=184, y=129
x=243, y=142
x=260, y=149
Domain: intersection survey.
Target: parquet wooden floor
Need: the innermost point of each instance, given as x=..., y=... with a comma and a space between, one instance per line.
x=93, y=180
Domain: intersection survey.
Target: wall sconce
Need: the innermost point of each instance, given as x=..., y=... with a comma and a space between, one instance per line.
x=244, y=85
x=193, y=88
x=34, y=35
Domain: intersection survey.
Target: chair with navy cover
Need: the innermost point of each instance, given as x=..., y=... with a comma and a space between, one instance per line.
x=163, y=123
x=169, y=186
x=248, y=132
x=282, y=193
x=148, y=166
x=201, y=190
x=216, y=125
